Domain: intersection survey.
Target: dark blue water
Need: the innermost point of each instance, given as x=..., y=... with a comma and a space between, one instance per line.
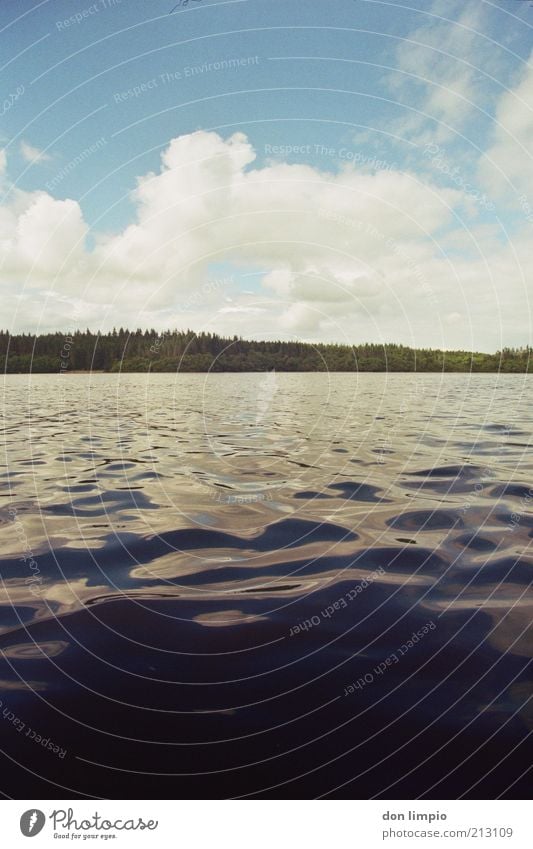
x=266, y=586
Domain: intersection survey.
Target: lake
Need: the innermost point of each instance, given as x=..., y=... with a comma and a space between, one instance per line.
x=266, y=585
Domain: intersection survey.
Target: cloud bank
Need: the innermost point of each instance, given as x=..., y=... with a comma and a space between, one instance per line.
x=350, y=255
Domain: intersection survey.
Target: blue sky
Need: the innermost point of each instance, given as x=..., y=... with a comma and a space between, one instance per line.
x=344, y=171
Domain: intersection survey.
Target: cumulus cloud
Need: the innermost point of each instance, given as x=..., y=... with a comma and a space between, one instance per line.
x=344, y=255
x=322, y=238
x=42, y=238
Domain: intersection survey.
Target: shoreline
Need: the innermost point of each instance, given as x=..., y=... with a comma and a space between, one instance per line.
x=268, y=371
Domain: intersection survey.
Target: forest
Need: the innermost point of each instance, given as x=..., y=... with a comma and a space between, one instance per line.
x=149, y=350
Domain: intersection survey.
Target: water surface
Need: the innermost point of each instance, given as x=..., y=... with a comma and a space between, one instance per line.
x=289, y=585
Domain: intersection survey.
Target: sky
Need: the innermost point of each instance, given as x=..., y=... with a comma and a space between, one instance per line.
x=345, y=171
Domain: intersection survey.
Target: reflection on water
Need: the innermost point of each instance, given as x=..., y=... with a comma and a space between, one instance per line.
x=221, y=583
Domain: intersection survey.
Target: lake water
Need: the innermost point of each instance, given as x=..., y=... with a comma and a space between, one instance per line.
x=270, y=585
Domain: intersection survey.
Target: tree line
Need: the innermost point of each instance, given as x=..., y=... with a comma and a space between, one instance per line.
x=176, y=350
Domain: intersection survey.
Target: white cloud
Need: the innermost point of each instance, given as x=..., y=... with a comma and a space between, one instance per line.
x=446, y=63
x=42, y=238
x=347, y=255
x=320, y=233
x=32, y=154
x=508, y=161
x=302, y=318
